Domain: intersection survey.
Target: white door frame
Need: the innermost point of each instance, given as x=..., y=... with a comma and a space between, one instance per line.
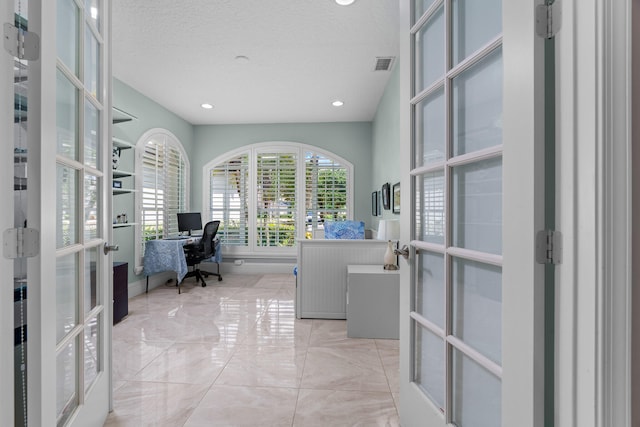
x=593, y=199
x=635, y=250
x=6, y=222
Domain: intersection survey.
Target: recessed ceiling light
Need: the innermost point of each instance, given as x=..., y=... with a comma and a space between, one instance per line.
x=242, y=59
x=337, y=103
x=344, y=2
x=206, y=106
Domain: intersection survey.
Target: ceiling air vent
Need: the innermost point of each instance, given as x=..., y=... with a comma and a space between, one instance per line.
x=384, y=63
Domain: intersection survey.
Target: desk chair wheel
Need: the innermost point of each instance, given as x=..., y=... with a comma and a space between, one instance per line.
x=219, y=278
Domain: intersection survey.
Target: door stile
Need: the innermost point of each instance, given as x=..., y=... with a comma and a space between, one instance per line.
x=523, y=279
x=41, y=383
x=6, y=222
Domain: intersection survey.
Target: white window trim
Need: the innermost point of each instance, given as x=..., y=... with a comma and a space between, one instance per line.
x=273, y=146
x=140, y=145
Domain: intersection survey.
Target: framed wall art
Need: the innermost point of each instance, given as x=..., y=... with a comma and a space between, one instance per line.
x=395, y=198
x=386, y=190
x=374, y=203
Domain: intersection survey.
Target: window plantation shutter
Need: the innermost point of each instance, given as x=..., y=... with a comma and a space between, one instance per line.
x=164, y=184
x=325, y=190
x=276, y=199
x=152, y=199
x=229, y=187
x=175, y=197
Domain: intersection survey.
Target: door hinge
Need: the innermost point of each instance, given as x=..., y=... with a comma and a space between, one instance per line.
x=20, y=243
x=21, y=43
x=548, y=19
x=549, y=247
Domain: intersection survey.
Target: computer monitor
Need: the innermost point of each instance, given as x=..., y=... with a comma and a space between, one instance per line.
x=188, y=221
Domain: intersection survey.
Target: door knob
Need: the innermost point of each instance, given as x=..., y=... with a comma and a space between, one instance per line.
x=404, y=252
x=108, y=248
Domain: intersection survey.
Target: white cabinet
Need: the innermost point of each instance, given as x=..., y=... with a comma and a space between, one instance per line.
x=373, y=302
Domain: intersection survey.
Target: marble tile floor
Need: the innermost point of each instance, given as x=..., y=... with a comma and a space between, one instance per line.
x=234, y=354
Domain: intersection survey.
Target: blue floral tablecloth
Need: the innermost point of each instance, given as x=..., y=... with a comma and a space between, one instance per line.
x=168, y=255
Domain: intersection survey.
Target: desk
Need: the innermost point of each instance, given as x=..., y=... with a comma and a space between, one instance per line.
x=167, y=255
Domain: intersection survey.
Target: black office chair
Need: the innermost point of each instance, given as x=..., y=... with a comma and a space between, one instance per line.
x=195, y=253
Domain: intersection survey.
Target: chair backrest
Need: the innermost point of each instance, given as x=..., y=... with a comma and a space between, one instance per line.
x=344, y=230
x=209, y=233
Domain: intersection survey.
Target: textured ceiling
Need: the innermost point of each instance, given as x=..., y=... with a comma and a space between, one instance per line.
x=303, y=54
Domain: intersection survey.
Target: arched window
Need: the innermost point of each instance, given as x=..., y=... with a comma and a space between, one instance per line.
x=163, y=186
x=269, y=194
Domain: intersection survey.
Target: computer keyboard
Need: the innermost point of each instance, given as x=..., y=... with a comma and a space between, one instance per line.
x=177, y=238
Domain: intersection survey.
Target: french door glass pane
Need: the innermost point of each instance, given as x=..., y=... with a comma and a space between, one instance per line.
x=430, y=363
x=477, y=106
x=477, y=206
x=91, y=132
x=91, y=63
x=66, y=117
x=430, y=129
x=66, y=384
x=91, y=211
x=66, y=295
x=67, y=34
x=91, y=351
x=92, y=11
x=90, y=283
x=420, y=7
x=430, y=216
x=429, y=45
x=477, y=394
x=67, y=222
x=477, y=306
x=430, y=292
x=474, y=23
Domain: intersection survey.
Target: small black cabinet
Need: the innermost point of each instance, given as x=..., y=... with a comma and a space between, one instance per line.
x=120, y=291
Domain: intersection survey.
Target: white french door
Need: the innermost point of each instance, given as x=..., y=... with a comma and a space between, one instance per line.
x=61, y=131
x=471, y=145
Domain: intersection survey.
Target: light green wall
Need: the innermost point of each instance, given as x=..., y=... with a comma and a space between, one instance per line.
x=386, y=141
x=150, y=115
x=352, y=141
